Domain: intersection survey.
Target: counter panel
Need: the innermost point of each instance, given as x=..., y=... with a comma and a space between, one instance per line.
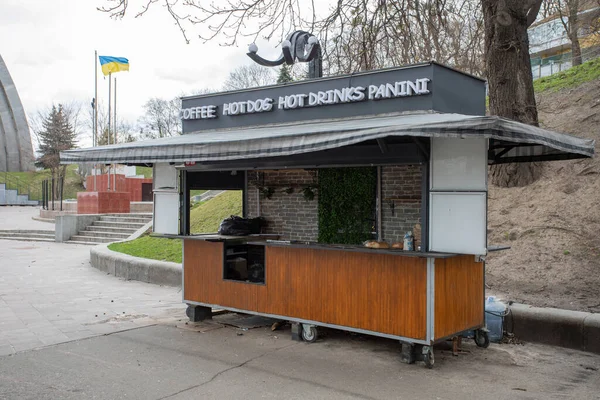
x=459, y=295
x=377, y=292
x=203, y=278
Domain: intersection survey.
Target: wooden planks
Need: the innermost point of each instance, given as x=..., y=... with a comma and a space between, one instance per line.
x=203, y=278
x=383, y=293
x=459, y=295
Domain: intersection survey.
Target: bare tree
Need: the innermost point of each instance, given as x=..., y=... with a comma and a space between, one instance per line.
x=367, y=34
x=568, y=13
x=355, y=34
x=248, y=76
x=161, y=118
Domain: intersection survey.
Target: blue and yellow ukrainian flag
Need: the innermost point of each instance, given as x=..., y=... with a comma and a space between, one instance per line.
x=113, y=64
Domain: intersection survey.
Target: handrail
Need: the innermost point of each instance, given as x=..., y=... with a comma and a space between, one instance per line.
x=14, y=183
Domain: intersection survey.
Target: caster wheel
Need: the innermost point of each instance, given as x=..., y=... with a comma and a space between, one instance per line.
x=482, y=339
x=309, y=333
x=428, y=358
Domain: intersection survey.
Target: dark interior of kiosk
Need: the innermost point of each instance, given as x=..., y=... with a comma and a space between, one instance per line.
x=246, y=262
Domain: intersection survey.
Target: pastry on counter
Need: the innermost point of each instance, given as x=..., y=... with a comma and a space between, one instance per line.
x=373, y=244
x=398, y=245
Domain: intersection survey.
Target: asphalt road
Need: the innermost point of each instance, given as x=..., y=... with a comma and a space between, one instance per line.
x=213, y=361
x=68, y=331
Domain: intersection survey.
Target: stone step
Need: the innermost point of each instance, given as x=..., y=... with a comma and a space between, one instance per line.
x=108, y=235
x=86, y=243
x=132, y=225
x=7, y=231
x=110, y=229
x=126, y=219
x=27, y=239
x=95, y=239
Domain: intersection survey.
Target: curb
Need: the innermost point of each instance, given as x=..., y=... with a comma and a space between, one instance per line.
x=572, y=329
x=135, y=268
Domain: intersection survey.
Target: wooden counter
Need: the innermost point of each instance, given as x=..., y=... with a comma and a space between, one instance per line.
x=374, y=291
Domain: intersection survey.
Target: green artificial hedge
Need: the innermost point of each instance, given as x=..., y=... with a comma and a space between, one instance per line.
x=347, y=204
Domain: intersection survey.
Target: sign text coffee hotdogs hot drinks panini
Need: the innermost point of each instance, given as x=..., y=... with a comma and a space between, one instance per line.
x=420, y=87
x=312, y=99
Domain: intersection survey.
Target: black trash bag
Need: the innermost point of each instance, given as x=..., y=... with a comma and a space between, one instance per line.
x=238, y=226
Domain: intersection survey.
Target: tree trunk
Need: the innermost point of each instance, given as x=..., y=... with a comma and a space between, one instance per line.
x=576, y=51
x=510, y=79
x=573, y=32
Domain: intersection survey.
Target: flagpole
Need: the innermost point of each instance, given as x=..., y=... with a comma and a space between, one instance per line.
x=115, y=133
x=109, y=116
x=115, y=112
x=95, y=138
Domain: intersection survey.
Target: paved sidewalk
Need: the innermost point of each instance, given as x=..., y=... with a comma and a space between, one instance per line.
x=13, y=217
x=208, y=361
x=50, y=294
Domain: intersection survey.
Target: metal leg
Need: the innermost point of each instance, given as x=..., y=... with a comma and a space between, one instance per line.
x=408, y=353
x=456, y=345
x=297, y=331
x=198, y=313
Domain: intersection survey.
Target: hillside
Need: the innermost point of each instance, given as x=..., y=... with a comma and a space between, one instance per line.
x=31, y=182
x=553, y=225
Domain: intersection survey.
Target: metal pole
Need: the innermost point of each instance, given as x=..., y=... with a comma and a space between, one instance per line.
x=109, y=117
x=109, y=104
x=95, y=140
x=115, y=136
x=379, y=205
x=315, y=66
x=115, y=113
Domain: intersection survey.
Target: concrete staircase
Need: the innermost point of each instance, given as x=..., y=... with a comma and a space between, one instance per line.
x=11, y=197
x=27, y=235
x=111, y=228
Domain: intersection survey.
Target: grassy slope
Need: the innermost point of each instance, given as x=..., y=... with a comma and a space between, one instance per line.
x=207, y=216
x=146, y=171
x=204, y=218
x=151, y=247
x=31, y=182
x=570, y=78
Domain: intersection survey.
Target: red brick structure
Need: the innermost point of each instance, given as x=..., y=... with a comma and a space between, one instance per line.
x=99, y=200
x=133, y=186
x=103, y=202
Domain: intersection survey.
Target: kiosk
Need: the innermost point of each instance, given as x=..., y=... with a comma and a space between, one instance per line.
x=423, y=133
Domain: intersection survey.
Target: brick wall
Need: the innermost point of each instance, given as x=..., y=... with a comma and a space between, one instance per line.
x=131, y=185
x=400, y=185
x=102, y=202
x=288, y=215
x=294, y=218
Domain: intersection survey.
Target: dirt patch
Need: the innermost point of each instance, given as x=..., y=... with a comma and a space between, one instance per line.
x=552, y=225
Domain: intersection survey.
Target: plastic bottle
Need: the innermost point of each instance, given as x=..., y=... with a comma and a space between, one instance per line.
x=494, y=318
x=409, y=241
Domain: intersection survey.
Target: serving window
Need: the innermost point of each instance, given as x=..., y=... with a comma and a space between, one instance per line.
x=244, y=263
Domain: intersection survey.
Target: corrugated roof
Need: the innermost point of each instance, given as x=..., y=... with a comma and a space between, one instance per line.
x=510, y=141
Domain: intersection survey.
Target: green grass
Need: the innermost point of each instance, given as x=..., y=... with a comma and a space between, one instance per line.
x=31, y=182
x=151, y=247
x=570, y=78
x=196, y=192
x=146, y=171
x=204, y=218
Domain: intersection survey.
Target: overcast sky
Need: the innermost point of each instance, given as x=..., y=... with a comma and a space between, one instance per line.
x=48, y=46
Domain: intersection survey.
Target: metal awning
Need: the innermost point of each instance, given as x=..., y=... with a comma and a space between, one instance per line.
x=510, y=141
